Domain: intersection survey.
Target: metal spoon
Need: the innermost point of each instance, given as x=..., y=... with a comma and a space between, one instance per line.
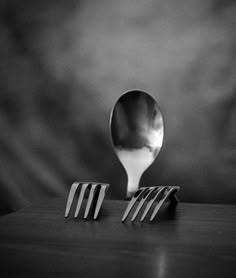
x=137, y=131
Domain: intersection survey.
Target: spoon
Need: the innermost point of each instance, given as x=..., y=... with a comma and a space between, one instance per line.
x=137, y=131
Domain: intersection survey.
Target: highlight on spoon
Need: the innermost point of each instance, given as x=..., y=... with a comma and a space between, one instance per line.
x=137, y=131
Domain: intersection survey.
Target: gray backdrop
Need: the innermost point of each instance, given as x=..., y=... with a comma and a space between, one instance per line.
x=63, y=65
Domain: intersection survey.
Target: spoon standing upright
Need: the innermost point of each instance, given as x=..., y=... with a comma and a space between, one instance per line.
x=137, y=131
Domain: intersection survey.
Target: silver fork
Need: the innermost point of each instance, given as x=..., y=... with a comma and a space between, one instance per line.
x=96, y=191
x=150, y=194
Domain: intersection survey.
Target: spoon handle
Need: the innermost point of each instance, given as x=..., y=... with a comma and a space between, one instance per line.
x=133, y=184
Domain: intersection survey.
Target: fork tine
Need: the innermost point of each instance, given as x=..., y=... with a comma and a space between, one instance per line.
x=100, y=199
x=81, y=197
x=157, y=192
x=90, y=199
x=133, y=201
x=144, y=198
x=96, y=196
x=167, y=194
x=71, y=197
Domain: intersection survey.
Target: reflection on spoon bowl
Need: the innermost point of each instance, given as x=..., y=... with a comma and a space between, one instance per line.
x=137, y=131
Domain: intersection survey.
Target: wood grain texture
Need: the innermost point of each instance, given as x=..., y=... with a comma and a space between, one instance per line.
x=192, y=241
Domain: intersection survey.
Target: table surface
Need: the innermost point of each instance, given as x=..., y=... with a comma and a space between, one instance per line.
x=194, y=240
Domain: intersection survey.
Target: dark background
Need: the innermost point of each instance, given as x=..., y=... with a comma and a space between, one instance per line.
x=65, y=62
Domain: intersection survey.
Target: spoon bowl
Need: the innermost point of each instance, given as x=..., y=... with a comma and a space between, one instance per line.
x=137, y=131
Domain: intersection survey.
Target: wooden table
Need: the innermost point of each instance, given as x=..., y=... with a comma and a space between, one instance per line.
x=195, y=240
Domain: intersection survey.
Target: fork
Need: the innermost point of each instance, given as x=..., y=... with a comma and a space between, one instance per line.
x=96, y=196
x=150, y=194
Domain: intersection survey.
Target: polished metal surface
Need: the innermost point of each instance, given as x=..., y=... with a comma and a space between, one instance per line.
x=137, y=131
x=147, y=196
x=96, y=195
